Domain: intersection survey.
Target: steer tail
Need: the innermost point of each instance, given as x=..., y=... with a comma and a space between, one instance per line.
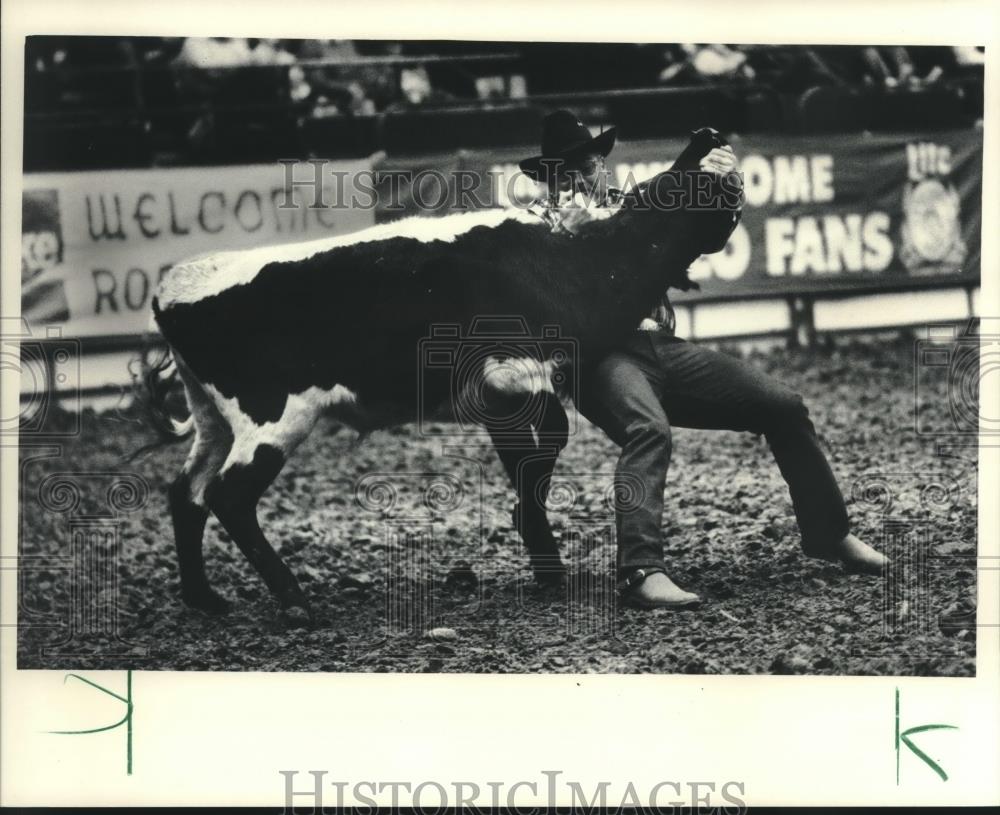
x=151, y=386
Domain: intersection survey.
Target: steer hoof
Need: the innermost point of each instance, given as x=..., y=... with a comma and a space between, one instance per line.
x=208, y=601
x=550, y=577
x=297, y=617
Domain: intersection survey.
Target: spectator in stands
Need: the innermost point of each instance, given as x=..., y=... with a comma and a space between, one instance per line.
x=61, y=72
x=213, y=52
x=932, y=64
x=913, y=68
x=204, y=80
x=51, y=52
x=347, y=85
x=275, y=52
x=794, y=69
x=888, y=66
x=270, y=52
x=155, y=51
x=228, y=52
x=787, y=69
x=969, y=55
x=707, y=62
x=863, y=65
x=415, y=89
x=415, y=85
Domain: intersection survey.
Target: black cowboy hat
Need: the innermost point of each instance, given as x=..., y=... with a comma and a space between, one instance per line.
x=564, y=140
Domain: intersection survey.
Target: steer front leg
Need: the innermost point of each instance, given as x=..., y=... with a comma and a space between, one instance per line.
x=529, y=454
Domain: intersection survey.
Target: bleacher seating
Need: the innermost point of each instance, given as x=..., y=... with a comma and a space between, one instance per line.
x=130, y=115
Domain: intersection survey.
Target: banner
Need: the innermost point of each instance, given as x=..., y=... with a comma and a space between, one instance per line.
x=823, y=213
x=95, y=244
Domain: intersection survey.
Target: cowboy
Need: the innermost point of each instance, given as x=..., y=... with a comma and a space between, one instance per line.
x=656, y=381
x=573, y=170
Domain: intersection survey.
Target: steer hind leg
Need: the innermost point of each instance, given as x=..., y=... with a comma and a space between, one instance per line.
x=256, y=458
x=529, y=453
x=189, y=516
x=185, y=496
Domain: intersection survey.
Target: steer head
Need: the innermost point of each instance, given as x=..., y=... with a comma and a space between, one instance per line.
x=598, y=283
x=685, y=199
x=665, y=224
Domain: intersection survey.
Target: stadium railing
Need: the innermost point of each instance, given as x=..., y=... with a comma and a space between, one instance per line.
x=100, y=118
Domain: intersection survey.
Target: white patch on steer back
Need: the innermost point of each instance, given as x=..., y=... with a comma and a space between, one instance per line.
x=518, y=375
x=297, y=420
x=197, y=278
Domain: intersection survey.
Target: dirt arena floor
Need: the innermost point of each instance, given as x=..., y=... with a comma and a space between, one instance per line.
x=411, y=562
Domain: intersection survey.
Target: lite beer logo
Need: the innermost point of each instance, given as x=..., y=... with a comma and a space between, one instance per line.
x=931, y=233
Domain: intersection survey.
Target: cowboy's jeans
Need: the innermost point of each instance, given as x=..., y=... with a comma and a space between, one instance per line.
x=656, y=380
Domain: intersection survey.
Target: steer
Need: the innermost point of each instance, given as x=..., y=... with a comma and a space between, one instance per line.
x=265, y=340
